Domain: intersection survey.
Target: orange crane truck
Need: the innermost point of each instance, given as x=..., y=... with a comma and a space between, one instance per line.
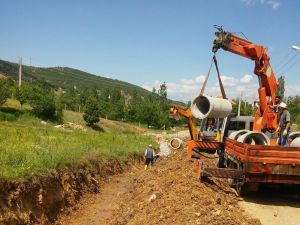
x=245, y=164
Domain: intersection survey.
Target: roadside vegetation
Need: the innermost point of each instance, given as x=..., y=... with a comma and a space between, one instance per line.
x=30, y=147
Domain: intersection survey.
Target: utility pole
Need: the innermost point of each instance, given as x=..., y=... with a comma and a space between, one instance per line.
x=239, y=109
x=20, y=72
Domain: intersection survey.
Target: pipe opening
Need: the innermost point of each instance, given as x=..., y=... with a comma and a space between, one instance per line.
x=209, y=107
x=254, y=138
x=202, y=104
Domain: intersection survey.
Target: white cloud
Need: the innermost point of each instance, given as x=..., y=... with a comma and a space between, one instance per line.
x=188, y=89
x=246, y=79
x=273, y=3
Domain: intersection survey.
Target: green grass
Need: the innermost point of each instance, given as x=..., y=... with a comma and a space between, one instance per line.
x=295, y=127
x=29, y=147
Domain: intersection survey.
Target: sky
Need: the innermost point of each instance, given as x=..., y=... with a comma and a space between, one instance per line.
x=148, y=42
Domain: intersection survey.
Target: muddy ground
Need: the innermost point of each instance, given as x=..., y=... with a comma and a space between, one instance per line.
x=167, y=193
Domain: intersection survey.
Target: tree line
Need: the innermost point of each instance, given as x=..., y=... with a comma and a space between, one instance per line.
x=48, y=103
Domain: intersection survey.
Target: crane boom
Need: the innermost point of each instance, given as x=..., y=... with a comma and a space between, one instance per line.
x=265, y=117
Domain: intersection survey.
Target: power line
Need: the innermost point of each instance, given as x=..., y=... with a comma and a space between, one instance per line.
x=282, y=60
x=288, y=61
x=295, y=62
x=285, y=59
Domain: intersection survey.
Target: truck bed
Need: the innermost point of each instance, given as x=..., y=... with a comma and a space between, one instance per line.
x=268, y=164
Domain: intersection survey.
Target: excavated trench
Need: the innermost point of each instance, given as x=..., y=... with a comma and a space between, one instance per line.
x=40, y=199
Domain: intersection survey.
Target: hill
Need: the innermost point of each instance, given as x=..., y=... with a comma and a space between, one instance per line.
x=64, y=77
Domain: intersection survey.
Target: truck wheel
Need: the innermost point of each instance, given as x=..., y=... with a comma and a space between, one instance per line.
x=241, y=189
x=231, y=182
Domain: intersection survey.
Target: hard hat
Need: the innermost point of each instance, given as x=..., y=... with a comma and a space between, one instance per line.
x=282, y=105
x=150, y=145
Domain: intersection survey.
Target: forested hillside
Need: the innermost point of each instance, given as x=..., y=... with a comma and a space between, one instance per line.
x=64, y=77
x=50, y=90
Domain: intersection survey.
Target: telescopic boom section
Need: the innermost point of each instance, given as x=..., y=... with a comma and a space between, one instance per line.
x=265, y=118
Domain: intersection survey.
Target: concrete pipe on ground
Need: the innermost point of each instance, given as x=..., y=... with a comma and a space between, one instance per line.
x=176, y=143
x=294, y=135
x=209, y=107
x=295, y=142
x=254, y=138
x=236, y=134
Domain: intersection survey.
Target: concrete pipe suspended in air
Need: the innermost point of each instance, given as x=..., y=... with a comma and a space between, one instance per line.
x=205, y=106
x=295, y=142
x=254, y=138
x=236, y=134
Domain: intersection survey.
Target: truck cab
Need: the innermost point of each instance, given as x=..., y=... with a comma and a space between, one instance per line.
x=210, y=127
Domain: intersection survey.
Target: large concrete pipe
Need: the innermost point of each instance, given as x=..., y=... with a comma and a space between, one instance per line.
x=295, y=142
x=209, y=107
x=176, y=143
x=236, y=134
x=294, y=135
x=254, y=138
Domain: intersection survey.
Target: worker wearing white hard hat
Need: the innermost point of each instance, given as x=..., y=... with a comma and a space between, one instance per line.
x=284, y=124
x=149, y=156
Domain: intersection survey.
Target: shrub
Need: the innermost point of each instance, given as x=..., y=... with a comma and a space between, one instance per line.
x=5, y=89
x=91, y=112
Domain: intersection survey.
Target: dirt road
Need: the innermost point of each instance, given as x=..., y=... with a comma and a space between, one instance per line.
x=272, y=206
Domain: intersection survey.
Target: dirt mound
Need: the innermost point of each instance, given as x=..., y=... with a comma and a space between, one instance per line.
x=39, y=199
x=169, y=194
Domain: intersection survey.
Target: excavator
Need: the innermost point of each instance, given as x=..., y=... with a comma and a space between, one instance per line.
x=208, y=141
x=245, y=162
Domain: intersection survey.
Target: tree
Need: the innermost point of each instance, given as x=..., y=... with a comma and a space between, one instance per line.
x=280, y=90
x=5, y=89
x=22, y=94
x=91, y=112
x=162, y=92
x=294, y=108
x=43, y=104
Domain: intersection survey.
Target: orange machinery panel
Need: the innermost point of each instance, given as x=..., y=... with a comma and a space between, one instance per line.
x=202, y=145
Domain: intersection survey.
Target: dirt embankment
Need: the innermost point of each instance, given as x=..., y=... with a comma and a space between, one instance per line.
x=167, y=193
x=40, y=199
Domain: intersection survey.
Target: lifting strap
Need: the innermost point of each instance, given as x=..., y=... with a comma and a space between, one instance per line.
x=214, y=60
x=219, y=78
x=206, y=79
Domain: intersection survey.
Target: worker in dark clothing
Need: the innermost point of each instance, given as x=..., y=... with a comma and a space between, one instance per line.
x=277, y=102
x=284, y=124
x=149, y=156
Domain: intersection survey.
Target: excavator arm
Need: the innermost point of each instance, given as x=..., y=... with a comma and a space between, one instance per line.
x=177, y=111
x=265, y=117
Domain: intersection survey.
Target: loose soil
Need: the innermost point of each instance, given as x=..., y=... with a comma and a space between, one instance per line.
x=167, y=193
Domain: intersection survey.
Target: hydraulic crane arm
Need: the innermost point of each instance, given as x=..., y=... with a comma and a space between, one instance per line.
x=265, y=118
x=177, y=111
